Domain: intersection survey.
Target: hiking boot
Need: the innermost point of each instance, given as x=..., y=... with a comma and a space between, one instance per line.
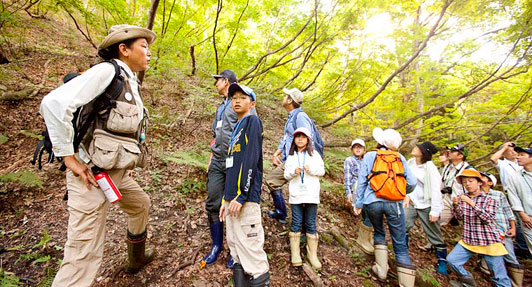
x=261, y=281
x=137, y=254
x=312, y=250
x=464, y=282
x=380, y=268
x=365, y=239
x=516, y=274
x=217, y=230
x=239, y=276
x=484, y=267
x=279, y=213
x=427, y=247
x=441, y=253
x=406, y=275
x=294, y=248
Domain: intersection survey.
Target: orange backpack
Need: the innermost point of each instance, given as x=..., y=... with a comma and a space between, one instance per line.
x=387, y=177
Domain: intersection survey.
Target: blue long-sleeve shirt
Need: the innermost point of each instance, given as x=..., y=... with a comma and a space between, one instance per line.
x=243, y=180
x=302, y=121
x=365, y=194
x=228, y=118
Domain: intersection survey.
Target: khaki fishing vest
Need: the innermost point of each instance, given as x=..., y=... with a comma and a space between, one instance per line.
x=114, y=141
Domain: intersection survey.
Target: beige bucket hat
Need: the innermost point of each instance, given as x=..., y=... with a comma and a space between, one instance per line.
x=122, y=32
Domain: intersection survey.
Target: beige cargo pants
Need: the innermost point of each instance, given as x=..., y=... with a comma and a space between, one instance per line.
x=86, y=225
x=245, y=237
x=275, y=178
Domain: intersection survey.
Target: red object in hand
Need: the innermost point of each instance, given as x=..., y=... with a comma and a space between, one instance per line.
x=108, y=186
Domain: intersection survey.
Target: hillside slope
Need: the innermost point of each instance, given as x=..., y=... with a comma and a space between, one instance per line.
x=33, y=216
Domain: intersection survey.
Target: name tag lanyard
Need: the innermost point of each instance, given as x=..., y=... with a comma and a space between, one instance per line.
x=302, y=166
x=228, y=103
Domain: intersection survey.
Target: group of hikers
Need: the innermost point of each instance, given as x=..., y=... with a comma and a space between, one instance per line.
x=98, y=120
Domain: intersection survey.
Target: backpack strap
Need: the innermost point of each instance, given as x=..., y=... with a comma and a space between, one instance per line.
x=104, y=101
x=294, y=119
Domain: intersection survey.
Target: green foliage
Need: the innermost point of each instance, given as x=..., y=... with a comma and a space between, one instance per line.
x=427, y=277
x=8, y=279
x=190, y=186
x=44, y=239
x=3, y=139
x=191, y=158
x=49, y=278
x=31, y=135
x=34, y=257
x=332, y=186
x=25, y=177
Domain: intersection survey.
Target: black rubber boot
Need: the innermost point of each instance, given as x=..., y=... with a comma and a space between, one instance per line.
x=239, y=276
x=261, y=281
x=137, y=254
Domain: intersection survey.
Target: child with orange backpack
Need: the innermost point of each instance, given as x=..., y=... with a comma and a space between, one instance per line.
x=383, y=183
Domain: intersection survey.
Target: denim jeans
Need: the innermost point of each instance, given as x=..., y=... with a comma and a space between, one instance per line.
x=306, y=211
x=510, y=257
x=365, y=218
x=459, y=256
x=395, y=217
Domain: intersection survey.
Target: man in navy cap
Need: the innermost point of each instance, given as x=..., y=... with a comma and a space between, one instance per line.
x=224, y=121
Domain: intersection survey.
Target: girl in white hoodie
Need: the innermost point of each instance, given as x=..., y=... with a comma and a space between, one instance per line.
x=425, y=202
x=303, y=167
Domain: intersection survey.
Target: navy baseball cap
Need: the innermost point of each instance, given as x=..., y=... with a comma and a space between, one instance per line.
x=228, y=74
x=459, y=148
x=520, y=149
x=233, y=88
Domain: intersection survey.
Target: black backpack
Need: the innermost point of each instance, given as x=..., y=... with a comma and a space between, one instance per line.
x=83, y=117
x=316, y=138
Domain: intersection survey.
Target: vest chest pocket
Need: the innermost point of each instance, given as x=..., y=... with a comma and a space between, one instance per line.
x=113, y=152
x=124, y=118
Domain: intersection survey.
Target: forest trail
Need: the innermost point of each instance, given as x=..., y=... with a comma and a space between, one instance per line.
x=33, y=215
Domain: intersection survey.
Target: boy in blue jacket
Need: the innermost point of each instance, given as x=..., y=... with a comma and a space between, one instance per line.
x=241, y=202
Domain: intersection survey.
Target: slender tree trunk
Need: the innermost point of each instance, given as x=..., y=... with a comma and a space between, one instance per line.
x=218, y=10
x=151, y=19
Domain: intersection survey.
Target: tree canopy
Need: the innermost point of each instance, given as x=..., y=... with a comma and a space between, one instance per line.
x=451, y=71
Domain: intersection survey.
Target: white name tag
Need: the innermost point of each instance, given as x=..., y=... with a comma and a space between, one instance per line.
x=302, y=187
x=218, y=124
x=229, y=162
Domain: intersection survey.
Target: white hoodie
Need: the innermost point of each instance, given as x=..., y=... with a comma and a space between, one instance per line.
x=308, y=189
x=418, y=195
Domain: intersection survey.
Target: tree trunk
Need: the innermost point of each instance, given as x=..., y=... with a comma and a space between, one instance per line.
x=151, y=19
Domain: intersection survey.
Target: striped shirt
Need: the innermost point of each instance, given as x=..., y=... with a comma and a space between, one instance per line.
x=351, y=169
x=504, y=212
x=479, y=221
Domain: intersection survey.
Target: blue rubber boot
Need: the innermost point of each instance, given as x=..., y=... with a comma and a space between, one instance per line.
x=280, y=208
x=230, y=262
x=441, y=253
x=217, y=231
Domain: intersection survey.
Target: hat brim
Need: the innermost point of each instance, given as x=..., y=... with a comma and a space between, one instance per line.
x=300, y=132
x=520, y=149
x=233, y=88
x=378, y=135
x=459, y=178
x=126, y=34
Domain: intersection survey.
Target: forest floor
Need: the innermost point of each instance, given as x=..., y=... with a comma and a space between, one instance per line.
x=34, y=217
